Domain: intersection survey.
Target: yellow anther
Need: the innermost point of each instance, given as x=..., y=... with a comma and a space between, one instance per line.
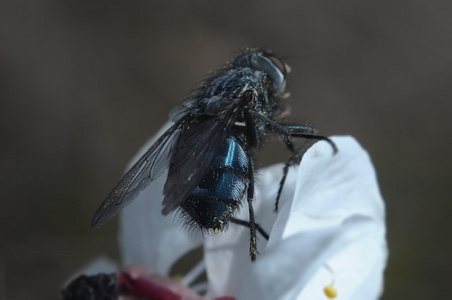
x=330, y=291
x=178, y=277
x=216, y=230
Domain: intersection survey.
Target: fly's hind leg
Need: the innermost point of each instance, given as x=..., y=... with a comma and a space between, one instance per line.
x=252, y=222
x=247, y=224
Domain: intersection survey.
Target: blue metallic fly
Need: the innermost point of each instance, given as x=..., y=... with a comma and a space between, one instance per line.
x=208, y=149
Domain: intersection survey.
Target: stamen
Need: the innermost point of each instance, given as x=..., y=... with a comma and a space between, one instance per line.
x=194, y=273
x=200, y=288
x=178, y=277
x=329, y=290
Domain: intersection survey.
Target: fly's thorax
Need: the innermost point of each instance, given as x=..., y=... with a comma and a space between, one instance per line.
x=235, y=82
x=241, y=86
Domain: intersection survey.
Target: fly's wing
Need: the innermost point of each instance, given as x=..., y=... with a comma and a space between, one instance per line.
x=197, y=145
x=148, y=168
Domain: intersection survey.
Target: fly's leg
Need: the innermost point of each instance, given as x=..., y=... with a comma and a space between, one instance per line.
x=247, y=224
x=292, y=161
x=252, y=222
x=299, y=131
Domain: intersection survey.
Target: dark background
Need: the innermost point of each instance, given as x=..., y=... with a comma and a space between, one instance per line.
x=83, y=84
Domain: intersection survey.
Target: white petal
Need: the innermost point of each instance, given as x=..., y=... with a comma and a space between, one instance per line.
x=337, y=219
x=294, y=268
x=330, y=189
x=147, y=237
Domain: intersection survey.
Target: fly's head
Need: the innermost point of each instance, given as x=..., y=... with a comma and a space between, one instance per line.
x=269, y=98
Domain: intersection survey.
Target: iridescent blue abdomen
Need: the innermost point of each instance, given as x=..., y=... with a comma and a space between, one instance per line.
x=220, y=192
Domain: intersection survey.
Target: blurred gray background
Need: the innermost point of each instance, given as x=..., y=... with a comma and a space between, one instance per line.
x=83, y=84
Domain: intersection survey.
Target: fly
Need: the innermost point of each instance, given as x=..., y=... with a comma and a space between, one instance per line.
x=208, y=150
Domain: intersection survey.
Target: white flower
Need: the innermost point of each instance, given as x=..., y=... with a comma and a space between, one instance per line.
x=330, y=230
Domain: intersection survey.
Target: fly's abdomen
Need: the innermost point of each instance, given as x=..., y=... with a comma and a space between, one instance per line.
x=219, y=194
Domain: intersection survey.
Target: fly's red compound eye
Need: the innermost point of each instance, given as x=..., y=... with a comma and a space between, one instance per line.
x=277, y=62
